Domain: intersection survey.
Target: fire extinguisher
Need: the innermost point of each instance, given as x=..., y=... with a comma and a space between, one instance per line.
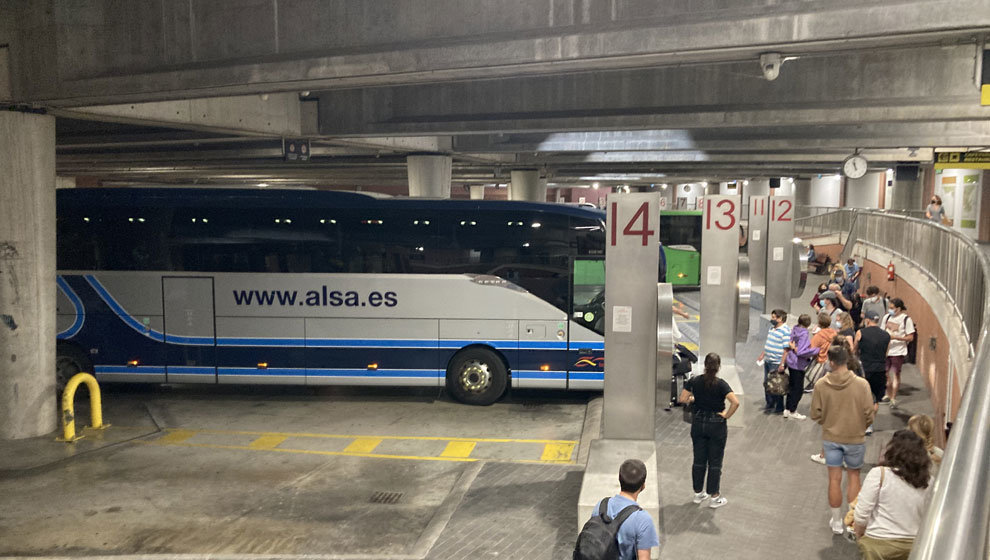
x=890, y=271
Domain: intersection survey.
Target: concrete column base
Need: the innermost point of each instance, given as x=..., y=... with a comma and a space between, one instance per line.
x=429, y=176
x=601, y=477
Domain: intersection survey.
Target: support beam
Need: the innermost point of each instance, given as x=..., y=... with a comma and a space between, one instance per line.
x=268, y=115
x=27, y=275
x=838, y=89
x=100, y=51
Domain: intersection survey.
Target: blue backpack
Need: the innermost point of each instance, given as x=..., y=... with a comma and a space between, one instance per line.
x=598, y=539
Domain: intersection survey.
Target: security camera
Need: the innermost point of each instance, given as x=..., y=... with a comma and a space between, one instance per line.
x=770, y=64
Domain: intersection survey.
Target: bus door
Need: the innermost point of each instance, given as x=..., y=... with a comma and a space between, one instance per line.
x=586, y=341
x=190, y=338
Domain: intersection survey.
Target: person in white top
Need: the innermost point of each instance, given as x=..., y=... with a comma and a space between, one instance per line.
x=901, y=330
x=893, y=499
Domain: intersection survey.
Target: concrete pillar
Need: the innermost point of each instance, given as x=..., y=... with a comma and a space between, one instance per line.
x=429, y=176
x=477, y=192
x=825, y=191
x=27, y=275
x=526, y=184
x=908, y=195
x=865, y=191
x=802, y=192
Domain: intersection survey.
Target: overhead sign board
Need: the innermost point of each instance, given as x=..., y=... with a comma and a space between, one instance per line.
x=962, y=160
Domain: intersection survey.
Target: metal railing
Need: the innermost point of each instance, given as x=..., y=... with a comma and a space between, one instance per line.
x=957, y=525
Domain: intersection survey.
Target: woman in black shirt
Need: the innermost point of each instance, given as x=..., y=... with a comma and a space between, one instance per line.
x=708, y=394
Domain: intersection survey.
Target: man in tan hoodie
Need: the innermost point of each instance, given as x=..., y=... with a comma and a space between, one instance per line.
x=843, y=405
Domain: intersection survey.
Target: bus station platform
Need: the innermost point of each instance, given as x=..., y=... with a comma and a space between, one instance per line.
x=274, y=472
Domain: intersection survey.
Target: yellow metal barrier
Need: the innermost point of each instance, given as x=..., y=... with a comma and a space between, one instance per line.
x=68, y=409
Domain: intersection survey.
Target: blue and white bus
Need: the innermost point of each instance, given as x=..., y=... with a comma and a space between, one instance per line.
x=171, y=285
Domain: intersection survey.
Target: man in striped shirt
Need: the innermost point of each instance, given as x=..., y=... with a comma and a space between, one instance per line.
x=773, y=352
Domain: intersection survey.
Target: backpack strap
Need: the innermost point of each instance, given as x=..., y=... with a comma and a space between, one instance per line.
x=603, y=511
x=624, y=514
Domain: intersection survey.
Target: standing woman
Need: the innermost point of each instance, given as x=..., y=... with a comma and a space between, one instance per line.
x=935, y=212
x=797, y=358
x=893, y=499
x=709, y=431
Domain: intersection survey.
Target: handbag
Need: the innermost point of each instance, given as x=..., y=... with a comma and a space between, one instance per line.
x=777, y=383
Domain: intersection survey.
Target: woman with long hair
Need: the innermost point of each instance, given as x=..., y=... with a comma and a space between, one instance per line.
x=709, y=431
x=893, y=499
x=924, y=426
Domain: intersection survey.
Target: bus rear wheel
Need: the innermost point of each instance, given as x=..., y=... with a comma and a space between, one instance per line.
x=476, y=376
x=69, y=360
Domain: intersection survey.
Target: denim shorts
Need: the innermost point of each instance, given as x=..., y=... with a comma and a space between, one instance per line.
x=852, y=453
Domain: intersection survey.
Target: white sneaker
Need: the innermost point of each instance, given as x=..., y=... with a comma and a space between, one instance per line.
x=797, y=416
x=818, y=458
x=837, y=527
x=718, y=502
x=700, y=497
x=869, y=430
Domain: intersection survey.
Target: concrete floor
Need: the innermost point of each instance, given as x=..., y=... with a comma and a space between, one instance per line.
x=259, y=472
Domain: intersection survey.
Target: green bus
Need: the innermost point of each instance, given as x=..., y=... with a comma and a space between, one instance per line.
x=680, y=235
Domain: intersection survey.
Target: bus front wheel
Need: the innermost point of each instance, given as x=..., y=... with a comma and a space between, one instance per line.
x=476, y=376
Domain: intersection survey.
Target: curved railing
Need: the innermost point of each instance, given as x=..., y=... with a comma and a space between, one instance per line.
x=957, y=525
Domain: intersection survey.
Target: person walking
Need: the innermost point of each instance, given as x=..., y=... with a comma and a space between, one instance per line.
x=874, y=302
x=901, y=330
x=935, y=212
x=842, y=404
x=852, y=271
x=871, y=345
x=636, y=535
x=894, y=499
x=773, y=355
x=797, y=357
x=709, y=430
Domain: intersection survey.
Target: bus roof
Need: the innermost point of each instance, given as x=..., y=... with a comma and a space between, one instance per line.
x=293, y=198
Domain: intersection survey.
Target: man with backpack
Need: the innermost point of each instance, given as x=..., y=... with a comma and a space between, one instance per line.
x=618, y=527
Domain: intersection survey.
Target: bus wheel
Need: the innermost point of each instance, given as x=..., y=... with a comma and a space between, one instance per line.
x=476, y=376
x=69, y=360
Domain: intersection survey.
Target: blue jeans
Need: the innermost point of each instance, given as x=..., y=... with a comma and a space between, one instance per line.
x=774, y=402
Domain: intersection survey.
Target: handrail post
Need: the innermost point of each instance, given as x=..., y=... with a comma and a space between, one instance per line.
x=68, y=406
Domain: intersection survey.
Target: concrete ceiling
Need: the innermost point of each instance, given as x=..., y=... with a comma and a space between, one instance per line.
x=622, y=91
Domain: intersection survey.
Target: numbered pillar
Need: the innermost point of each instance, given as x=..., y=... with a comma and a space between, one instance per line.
x=758, y=215
x=632, y=257
x=719, y=270
x=780, y=244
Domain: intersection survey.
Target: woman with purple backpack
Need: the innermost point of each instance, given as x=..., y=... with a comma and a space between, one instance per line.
x=797, y=358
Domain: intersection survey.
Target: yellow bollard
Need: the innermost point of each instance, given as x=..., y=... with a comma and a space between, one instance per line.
x=68, y=407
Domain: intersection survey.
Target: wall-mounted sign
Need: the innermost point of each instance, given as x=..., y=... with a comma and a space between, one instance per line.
x=295, y=149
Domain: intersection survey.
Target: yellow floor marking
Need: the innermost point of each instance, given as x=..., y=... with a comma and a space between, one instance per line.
x=459, y=449
x=557, y=452
x=267, y=442
x=354, y=436
x=363, y=445
x=690, y=346
x=175, y=436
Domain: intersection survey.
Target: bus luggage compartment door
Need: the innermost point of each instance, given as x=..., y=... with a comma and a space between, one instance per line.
x=190, y=349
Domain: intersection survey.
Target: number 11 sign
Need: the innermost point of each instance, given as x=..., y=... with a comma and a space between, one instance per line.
x=719, y=271
x=632, y=258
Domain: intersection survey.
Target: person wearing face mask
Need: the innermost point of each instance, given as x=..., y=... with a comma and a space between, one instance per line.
x=901, y=330
x=874, y=302
x=935, y=212
x=773, y=354
x=816, y=300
